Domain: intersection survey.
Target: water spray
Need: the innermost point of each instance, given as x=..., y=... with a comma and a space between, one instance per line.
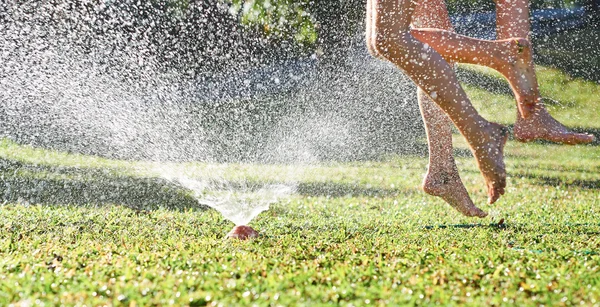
x=238, y=201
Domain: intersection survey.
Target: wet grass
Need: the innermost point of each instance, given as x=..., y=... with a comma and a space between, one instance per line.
x=82, y=230
x=354, y=233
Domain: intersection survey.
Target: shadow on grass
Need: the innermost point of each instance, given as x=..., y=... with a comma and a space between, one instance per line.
x=59, y=185
x=486, y=82
x=336, y=190
x=501, y=226
x=567, y=228
x=37, y=184
x=553, y=181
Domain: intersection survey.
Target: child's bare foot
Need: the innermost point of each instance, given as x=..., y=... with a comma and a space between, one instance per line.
x=534, y=121
x=446, y=183
x=517, y=66
x=489, y=154
x=541, y=125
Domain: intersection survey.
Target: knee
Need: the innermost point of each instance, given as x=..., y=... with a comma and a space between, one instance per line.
x=389, y=44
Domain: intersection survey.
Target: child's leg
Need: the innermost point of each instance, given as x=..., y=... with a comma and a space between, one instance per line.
x=390, y=38
x=442, y=178
x=511, y=57
x=512, y=20
x=432, y=14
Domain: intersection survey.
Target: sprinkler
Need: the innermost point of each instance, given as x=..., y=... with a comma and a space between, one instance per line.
x=242, y=232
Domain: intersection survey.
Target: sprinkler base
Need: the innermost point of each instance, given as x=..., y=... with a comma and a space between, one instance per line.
x=242, y=232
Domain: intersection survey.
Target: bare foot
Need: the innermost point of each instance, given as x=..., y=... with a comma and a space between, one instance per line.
x=489, y=154
x=534, y=121
x=541, y=125
x=516, y=65
x=446, y=183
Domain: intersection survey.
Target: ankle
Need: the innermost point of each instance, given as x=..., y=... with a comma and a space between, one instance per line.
x=444, y=165
x=439, y=181
x=487, y=135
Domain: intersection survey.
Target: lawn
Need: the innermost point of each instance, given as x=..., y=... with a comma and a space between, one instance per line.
x=81, y=230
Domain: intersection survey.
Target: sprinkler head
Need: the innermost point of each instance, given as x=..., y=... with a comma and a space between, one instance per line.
x=242, y=232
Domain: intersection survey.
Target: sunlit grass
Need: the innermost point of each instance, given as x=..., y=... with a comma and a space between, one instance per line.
x=356, y=233
x=83, y=230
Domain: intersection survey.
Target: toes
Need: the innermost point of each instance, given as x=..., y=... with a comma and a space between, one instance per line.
x=580, y=138
x=502, y=184
x=492, y=195
x=495, y=191
x=572, y=138
x=473, y=211
x=493, y=198
x=478, y=212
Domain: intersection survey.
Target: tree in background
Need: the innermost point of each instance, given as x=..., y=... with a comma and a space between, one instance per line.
x=195, y=36
x=318, y=26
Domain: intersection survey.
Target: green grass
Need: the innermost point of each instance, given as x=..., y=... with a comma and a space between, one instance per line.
x=81, y=230
x=354, y=233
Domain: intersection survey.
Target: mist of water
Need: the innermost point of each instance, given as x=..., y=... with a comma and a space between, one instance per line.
x=238, y=199
x=237, y=204
x=124, y=80
x=94, y=79
x=130, y=80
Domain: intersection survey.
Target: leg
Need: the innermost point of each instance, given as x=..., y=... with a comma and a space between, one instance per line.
x=432, y=14
x=391, y=39
x=442, y=178
x=511, y=57
x=512, y=20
